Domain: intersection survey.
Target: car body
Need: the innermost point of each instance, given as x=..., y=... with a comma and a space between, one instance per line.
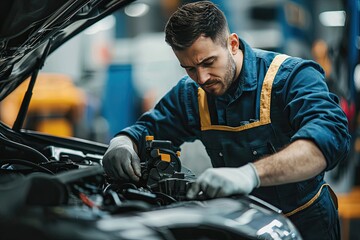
x=54, y=187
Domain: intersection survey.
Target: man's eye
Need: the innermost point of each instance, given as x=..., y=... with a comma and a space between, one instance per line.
x=208, y=63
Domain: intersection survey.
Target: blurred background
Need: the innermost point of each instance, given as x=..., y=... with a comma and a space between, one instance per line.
x=103, y=79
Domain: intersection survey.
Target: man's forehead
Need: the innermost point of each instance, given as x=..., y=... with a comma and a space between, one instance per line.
x=201, y=50
x=187, y=59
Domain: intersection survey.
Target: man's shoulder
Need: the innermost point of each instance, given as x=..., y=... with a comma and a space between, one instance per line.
x=187, y=83
x=186, y=89
x=264, y=54
x=267, y=56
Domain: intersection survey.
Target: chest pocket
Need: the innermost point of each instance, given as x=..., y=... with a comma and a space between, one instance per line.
x=234, y=149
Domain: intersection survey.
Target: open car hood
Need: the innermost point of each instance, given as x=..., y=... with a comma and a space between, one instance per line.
x=32, y=29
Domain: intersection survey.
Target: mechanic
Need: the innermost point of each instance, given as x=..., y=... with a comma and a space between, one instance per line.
x=267, y=120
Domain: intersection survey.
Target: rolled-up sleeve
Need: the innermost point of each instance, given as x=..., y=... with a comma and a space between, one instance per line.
x=315, y=113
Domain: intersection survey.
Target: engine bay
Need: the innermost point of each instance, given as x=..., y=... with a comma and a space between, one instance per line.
x=56, y=188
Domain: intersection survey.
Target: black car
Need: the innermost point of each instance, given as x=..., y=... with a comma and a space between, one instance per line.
x=54, y=187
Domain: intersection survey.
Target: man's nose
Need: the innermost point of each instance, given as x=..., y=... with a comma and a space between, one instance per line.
x=202, y=75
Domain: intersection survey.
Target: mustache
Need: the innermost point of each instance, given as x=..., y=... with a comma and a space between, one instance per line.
x=209, y=82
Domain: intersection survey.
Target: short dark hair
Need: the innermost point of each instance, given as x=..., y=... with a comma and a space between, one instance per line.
x=191, y=21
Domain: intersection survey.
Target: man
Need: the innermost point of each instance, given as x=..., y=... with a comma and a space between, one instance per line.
x=268, y=122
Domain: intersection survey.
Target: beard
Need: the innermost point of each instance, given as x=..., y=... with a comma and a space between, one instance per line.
x=230, y=74
x=226, y=81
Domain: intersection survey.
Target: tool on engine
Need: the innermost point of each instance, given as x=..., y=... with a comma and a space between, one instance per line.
x=162, y=161
x=162, y=170
x=163, y=179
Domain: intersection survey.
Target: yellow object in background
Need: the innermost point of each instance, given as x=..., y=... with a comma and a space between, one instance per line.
x=56, y=105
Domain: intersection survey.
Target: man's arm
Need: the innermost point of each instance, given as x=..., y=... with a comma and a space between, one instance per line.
x=321, y=139
x=173, y=118
x=299, y=161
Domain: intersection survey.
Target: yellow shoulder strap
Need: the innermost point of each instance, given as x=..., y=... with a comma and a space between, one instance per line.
x=265, y=101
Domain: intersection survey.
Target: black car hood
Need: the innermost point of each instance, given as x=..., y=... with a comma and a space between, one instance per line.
x=28, y=27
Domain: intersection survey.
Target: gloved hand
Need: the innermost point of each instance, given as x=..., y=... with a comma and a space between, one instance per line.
x=221, y=182
x=120, y=160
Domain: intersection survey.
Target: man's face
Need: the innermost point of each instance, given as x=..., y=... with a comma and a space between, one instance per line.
x=209, y=64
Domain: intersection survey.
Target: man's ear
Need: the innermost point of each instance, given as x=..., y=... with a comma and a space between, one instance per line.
x=233, y=43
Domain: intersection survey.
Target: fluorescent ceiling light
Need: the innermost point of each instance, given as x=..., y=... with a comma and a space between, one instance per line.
x=333, y=18
x=136, y=9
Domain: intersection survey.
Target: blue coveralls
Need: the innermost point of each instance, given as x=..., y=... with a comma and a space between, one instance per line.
x=257, y=117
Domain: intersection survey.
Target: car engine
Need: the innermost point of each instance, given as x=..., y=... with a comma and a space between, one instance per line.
x=55, y=188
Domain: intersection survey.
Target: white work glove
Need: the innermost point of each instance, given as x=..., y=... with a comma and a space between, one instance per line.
x=121, y=161
x=221, y=182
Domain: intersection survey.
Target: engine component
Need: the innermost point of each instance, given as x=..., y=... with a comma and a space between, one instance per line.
x=162, y=171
